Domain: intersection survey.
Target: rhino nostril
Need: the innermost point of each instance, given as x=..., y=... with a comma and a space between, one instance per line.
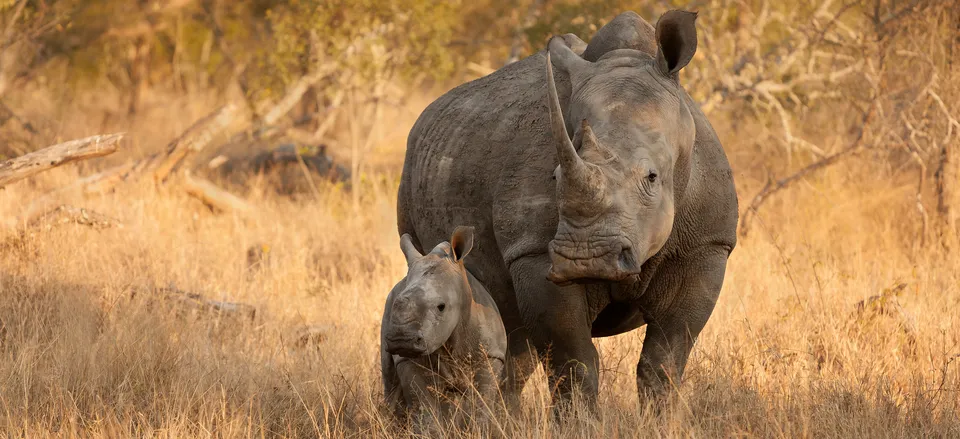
x=627, y=260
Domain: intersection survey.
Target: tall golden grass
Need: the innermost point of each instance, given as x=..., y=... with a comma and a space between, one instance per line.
x=786, y=353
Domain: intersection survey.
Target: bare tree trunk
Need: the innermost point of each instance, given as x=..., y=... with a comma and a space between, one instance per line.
x=948, y=166
x=138, y=68
x=947, y=192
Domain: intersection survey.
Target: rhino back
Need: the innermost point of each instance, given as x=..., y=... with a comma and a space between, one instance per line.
x=480, y=155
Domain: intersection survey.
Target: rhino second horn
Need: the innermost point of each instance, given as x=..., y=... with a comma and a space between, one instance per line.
x=571, y=164
x=589, y=141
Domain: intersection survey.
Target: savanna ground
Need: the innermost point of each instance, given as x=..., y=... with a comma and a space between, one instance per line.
x=787, y=353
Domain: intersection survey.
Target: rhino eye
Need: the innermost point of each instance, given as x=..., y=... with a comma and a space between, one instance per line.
x=652, y=177
x=441, y=307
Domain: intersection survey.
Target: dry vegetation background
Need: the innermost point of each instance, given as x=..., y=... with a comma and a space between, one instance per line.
x=839, y=314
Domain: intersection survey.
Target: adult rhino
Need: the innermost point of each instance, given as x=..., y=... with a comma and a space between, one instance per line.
x=627, y=222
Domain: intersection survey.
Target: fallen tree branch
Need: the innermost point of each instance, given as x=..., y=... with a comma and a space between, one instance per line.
x=62, y=215
x=213, y=196
x=57, y=155
x=196, y=302
x=66, y=214
x=162, y=165
x=192, y=141
x=773, y=187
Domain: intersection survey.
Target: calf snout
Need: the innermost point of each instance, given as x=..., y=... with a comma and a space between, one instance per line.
x=406, y=342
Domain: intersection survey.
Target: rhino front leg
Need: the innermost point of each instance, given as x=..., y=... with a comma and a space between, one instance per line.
x=688, y=294
x=558, y=322
x=521, y=362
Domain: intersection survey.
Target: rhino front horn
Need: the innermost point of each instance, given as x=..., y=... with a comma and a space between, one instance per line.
x=570, y=162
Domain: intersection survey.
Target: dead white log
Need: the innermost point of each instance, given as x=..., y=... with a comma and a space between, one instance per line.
x=57, y=155
x=213, y=196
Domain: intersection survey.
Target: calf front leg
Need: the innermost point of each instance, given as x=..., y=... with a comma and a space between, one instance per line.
x=392, y=389
x=558, y=322
x=423, y=405
x=688, y=292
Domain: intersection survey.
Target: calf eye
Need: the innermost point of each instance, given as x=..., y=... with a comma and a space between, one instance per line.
x=441, y=307
x=652, y=177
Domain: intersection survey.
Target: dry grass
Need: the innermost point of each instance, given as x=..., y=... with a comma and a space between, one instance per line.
x=784, y=355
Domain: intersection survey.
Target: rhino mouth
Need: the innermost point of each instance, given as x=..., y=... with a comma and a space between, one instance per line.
x=580, y=263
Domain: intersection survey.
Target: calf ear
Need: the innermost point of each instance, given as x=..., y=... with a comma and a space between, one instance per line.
x=409, y=250
x=676, y=41
x=461, y=242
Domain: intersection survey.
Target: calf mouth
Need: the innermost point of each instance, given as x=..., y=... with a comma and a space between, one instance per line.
x=406, y=345
x=617, y=263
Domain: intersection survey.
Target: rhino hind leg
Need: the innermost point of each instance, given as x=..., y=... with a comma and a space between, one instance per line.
x=558, y=320
x=695, y=281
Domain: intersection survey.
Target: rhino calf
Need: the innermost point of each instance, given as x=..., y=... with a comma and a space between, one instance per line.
x=441, y=333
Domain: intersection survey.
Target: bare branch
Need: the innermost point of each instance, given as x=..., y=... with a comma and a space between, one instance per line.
x=293, y=95
x=774, y=187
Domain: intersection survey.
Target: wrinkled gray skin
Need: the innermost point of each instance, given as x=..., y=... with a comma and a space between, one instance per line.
x=441, y=330
x=628, y=221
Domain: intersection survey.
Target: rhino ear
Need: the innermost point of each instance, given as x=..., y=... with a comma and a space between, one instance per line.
x=461, y=242
x=409, y=249
x=565, y=58
x=676, y=41
x=574, y=43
